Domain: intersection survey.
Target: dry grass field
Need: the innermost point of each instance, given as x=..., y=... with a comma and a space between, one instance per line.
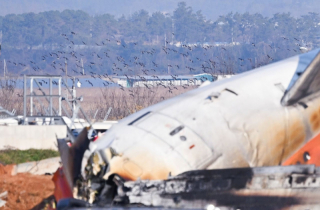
x=123, y=101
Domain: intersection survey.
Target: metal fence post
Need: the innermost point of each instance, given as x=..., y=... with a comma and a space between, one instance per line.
x=31, y=98
x=24, y=99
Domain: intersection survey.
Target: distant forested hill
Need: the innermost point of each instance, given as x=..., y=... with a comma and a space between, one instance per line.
x=210, y=8
x=152, y=42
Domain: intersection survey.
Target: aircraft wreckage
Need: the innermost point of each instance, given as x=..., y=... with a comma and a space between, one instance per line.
x=248, y=142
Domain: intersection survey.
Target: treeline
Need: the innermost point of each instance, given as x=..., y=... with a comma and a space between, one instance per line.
x=182, y=42
x=184, y=25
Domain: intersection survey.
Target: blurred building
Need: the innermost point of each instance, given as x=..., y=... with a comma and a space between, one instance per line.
x=175, y=80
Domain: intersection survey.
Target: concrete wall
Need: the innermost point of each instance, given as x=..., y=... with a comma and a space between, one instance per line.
x=31, y=136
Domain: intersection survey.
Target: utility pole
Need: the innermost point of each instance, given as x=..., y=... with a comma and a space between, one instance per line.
x=5, y=68
x=82, y=66
x=172, y=30
x=165, y=40
x=232, y=35
x=66, y=67
x=74, y=96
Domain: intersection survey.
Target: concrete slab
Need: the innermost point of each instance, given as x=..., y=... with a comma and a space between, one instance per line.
x=41, y=167
x=25, y=137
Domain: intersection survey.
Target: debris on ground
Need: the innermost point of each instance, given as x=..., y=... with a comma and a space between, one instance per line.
x=2, y=203
x=3, y=195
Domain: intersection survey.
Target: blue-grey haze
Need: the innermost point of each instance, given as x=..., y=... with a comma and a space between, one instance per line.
x=210, y=8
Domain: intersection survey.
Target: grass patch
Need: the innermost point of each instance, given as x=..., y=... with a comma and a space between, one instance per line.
x=12, y=156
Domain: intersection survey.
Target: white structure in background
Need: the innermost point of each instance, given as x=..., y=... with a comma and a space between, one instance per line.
x=226, y=76
x=175, y=80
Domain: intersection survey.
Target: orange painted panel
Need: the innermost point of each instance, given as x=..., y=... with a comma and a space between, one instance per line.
x=308, y=154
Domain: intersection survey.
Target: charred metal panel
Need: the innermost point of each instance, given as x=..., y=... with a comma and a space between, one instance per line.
x=306, y=80
x=71, y=157
x=243, y=188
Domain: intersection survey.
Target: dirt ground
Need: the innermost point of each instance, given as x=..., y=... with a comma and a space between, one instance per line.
x=25, y=191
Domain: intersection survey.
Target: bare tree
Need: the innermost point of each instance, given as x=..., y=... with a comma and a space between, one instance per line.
x=10, y=96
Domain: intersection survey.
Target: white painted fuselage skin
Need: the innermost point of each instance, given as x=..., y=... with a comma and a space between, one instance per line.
x=237, y=122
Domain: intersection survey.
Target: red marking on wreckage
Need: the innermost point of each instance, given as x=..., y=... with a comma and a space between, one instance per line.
x=309, y=154
x=62, y=189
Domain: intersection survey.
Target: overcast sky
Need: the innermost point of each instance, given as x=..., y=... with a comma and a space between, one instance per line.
x=210, y=8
